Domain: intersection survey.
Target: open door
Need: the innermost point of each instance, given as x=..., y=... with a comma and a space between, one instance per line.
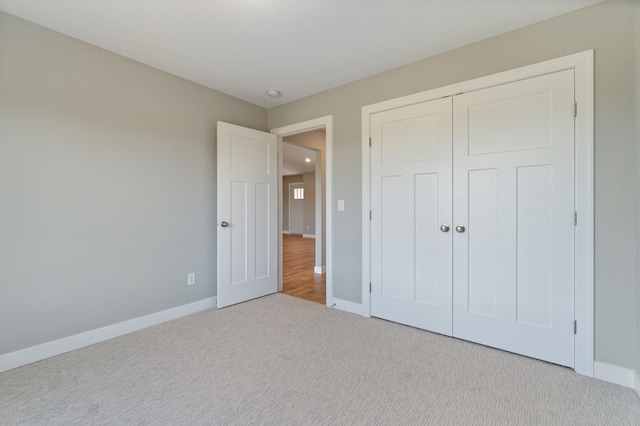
x=247, y=214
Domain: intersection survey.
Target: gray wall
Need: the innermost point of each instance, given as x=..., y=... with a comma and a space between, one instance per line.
x=107, y=183
x=286, y=180
x=606, y=28
x=309, y=219
x=636, y=56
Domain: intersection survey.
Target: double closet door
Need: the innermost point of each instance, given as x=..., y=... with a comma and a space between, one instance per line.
x=472, y=216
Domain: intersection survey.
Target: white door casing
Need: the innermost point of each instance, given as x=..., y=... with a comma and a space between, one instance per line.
x=247, y=214
x=411, y=200
x=514, y=195
x=325, y=200
x=581, y=65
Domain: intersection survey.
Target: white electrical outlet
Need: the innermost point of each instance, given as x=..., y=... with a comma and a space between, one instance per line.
x=340, y=205
x=191, y=278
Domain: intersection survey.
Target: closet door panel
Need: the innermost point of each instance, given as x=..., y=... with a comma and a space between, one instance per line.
x=411, y=188
x=513, y=192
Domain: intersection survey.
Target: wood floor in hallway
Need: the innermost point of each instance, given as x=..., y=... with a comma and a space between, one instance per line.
x=298, y=279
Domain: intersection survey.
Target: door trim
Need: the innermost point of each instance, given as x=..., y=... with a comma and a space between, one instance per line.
x=326, y=123
x=582, y=64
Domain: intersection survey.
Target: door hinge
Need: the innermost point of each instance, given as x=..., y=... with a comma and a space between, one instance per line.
x=575, y=218
x=369, y=287
x=575, y=109
x=370, y=215
x=369, y=142
x=575, y=327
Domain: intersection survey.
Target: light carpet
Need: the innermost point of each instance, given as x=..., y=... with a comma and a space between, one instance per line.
x=281, y=360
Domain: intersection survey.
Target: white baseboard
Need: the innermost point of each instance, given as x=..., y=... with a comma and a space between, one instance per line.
x=87, y=338
x=308, y=236
x=319, y=269
x=285, y=232
x=347, y=306
x=615, y=374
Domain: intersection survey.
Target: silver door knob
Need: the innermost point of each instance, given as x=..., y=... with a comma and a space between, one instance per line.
x=444, y=228
x=224, y=224
x=460, y=228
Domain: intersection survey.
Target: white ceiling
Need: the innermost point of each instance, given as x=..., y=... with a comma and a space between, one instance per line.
x=293, y=159
x=300, y=47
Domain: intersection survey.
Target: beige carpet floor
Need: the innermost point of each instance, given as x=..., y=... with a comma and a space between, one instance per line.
x=281, y=360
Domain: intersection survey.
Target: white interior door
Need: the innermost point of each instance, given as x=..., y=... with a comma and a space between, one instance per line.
x=514, y=195
x=296, y=208
x=247, y=214
x=410, y=200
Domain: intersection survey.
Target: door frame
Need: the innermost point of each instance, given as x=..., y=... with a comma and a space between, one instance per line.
x=326, y=123
x=294, y=185
x=582, y=65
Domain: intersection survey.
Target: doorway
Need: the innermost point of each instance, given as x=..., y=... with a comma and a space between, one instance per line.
x=301, y=211
x=310, y=251
x=303, y=260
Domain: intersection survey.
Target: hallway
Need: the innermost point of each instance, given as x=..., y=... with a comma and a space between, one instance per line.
x=298, y=279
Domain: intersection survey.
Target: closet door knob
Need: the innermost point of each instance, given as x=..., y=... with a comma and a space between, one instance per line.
x=444, y=228
x=224, y=224
x=460, y=229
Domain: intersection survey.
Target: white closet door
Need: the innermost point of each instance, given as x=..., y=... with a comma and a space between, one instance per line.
x=513, y=193
x=410, y=199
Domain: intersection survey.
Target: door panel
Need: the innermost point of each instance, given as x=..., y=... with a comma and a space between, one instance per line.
x=263, y=254
x=483, y=242
x=238, y=232
x=247, y=197
x=427, y=257
x=534, y=245
x=513, y=191
x=488, y=135
x=409, y=139
x=410, y=198
x=391, y=240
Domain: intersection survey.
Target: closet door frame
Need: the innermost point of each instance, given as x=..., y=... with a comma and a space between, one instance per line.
x=582, y=64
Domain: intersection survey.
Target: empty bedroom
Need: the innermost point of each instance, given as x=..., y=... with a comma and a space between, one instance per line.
x=312, y=212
